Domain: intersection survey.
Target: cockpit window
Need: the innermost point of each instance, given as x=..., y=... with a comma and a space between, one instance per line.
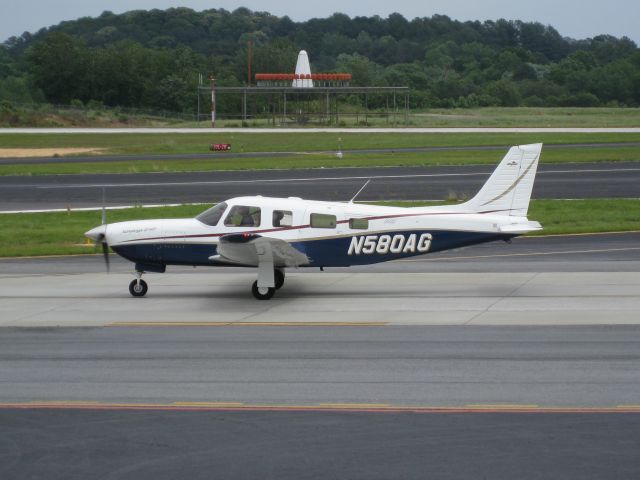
x=282, y=218
x=243, y=216
x=212, y=216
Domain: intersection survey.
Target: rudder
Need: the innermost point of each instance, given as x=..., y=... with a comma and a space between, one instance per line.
x=508, y=190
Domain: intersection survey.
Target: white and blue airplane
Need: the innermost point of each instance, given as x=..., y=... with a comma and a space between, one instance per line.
x=273, y=234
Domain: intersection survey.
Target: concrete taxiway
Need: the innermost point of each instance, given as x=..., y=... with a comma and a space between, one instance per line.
x=528, y=298
x=579, y=180
x=581, y=279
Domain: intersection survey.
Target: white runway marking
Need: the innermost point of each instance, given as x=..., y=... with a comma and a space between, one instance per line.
x=93, y=209
x=530, y=254
x=306, y=179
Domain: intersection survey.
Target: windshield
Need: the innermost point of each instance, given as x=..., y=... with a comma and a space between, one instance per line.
x=212, y=216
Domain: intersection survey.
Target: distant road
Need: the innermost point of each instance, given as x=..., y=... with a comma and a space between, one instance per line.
x=578, y=180
x=320, y=130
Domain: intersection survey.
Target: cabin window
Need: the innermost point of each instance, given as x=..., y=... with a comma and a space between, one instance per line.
x=243, y=216
x=212, y=216
x=358, y=223
x=282, y=218
x=321, y=220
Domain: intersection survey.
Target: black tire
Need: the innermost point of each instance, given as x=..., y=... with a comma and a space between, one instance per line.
x=279, y=278
x=138, y=289
x=260, y=293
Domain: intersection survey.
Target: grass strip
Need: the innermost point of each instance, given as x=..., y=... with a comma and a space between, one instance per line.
x=61, y=233
x=182, y=143
x=389, y=159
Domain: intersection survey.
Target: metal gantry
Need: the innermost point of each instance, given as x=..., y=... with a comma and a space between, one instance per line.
x=287, y=105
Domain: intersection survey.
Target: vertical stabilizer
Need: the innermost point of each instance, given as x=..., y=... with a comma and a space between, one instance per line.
x=508, y=190
x=303, y=68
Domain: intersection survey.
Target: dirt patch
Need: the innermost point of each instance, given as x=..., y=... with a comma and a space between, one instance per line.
x=44, y=152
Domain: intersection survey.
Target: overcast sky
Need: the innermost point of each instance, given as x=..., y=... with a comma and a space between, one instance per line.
x=572, y=18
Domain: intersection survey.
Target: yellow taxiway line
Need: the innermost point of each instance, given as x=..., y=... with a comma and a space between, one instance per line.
x=247, y=324
x=205, y=406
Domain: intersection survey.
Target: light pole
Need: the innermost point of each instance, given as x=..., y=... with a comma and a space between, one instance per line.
x=213, y=100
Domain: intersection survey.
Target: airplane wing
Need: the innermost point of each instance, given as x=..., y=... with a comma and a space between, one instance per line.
x=248, y=249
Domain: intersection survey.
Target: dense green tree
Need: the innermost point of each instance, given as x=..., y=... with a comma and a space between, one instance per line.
x=58, y=65
x=153, y=58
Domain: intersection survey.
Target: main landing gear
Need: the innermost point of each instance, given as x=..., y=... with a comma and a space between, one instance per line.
x=265, y=293
x=138, y=287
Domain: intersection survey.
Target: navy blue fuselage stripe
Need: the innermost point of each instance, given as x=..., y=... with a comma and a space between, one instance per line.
x=327, y=252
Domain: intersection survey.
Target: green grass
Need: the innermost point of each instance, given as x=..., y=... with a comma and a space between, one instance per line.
x=528, y=117
x=329, y=160
x=586, y=216
x=50, y=116
x=179, y=143
x=60, y=233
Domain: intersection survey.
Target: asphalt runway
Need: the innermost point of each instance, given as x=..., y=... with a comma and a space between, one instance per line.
x=597, y=180
x=320, y=402
x=360, y=366
x=157, y=445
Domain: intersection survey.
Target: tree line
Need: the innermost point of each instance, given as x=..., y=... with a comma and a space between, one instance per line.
x=152, y=59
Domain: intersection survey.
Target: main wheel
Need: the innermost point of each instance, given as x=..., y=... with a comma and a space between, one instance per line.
x=279, y=278
x=262, y=293
x=138, y=289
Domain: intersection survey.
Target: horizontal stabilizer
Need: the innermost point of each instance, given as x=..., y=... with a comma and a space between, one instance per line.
x=521, y=228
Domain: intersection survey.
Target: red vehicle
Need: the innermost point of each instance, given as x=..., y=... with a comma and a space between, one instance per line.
x=218, y=147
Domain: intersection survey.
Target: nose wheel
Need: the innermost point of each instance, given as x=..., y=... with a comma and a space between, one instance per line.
x=138, y=287
x=262, y=293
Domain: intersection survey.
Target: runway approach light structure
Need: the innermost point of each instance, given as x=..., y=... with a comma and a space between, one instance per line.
x=303, y=78
x=303, y=72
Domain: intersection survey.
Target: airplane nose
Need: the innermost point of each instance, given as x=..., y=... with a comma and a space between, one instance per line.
x=97, y=233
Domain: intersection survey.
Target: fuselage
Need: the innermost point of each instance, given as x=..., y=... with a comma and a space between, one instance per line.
x=330, y=234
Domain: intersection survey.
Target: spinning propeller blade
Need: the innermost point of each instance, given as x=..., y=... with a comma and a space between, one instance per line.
x=105, y=254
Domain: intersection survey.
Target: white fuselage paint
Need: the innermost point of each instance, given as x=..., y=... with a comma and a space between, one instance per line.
x=398, y=230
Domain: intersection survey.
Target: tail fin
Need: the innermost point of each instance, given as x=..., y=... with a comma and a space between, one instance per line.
x=508, y=190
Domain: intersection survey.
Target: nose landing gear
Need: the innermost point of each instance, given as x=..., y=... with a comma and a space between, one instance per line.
x=265, y=293
x=138, y=287
x=262, y=293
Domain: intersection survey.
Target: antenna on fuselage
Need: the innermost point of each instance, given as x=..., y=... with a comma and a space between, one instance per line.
x=359, y=191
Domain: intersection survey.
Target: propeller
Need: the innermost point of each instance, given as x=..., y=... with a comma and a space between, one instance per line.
x=102, y=240
x=102, y=237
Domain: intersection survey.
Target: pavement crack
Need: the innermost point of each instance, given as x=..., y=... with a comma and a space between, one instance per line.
x=499, y=299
